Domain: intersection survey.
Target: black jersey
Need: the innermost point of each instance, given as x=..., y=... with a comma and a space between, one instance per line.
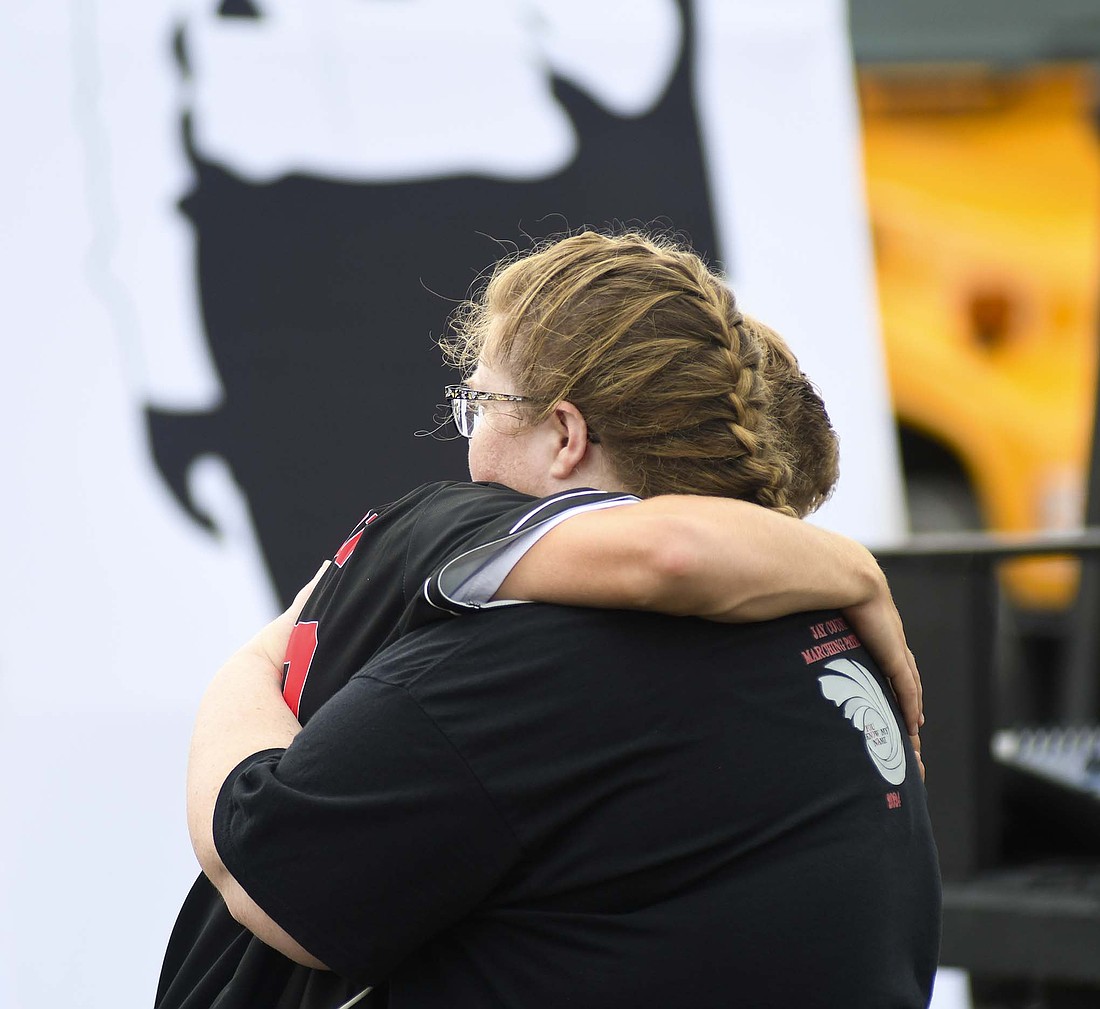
x=553, y=807
x=410, y=563
x=439, y=551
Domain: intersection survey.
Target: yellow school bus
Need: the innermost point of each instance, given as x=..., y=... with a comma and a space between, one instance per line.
x=984, y=194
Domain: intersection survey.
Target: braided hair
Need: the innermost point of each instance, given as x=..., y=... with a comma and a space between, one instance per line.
x=685, y=394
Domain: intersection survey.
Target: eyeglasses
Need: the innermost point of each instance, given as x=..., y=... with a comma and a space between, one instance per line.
x=468, y=404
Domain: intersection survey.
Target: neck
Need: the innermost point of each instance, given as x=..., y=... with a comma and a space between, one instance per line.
x=594, y=470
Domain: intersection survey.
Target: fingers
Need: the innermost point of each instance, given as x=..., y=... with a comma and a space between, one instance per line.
x=919, y=683
x=878, y=625
x=915, y=740
x=914, y=688
x=920, y=711
x=907, y=690
x=304, y=593
x=905, y=679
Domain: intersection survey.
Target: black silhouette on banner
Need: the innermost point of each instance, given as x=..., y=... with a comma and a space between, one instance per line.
x=320, y=298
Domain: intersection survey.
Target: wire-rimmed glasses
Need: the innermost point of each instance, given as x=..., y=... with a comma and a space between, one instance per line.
x=467, y=405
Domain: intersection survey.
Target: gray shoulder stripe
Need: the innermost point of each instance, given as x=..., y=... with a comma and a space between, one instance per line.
x=565, y=497
x=441, y=591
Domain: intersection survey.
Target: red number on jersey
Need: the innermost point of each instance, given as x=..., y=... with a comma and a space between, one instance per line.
x=299, y=657
x=353, y=540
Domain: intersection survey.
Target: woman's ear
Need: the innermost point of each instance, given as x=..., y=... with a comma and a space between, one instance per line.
x=572, y=433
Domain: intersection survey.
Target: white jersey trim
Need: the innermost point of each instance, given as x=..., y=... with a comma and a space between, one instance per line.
x=470, y=580
x=559, y=498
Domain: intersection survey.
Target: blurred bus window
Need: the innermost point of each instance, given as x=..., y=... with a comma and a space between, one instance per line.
x=984, y=193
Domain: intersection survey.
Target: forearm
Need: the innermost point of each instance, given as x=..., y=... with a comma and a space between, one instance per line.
x=710, y=557
x=722, y=559
x=241, y=713
x=734, y=561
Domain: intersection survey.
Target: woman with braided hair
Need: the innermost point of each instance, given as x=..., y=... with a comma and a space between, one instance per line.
x=685, y=394
x=546, y=805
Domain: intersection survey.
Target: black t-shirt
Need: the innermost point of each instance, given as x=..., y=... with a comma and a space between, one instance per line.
x=400, y=567
x=410, y=563
x=552, y=807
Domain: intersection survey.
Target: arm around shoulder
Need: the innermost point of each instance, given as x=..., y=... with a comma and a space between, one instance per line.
x=722, y=559
x=718, y=558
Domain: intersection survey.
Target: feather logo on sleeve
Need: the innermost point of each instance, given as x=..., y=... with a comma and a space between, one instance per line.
x=853, y=689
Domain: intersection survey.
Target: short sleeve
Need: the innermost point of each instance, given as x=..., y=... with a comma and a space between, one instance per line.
x=367, y=836
x=362, y=602
x=469, y=579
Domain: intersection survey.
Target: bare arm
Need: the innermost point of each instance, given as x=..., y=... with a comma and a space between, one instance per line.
x=724, y=560
x=242, y=713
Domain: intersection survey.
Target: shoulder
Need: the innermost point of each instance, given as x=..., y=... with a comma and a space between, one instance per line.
x=463, y=501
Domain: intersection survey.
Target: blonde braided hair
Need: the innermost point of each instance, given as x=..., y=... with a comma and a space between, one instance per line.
x=650, y=345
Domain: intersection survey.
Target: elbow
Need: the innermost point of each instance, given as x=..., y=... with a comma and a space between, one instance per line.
x=220, y=878
x=676, y=566
x=240, y=908
x=202, y=844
